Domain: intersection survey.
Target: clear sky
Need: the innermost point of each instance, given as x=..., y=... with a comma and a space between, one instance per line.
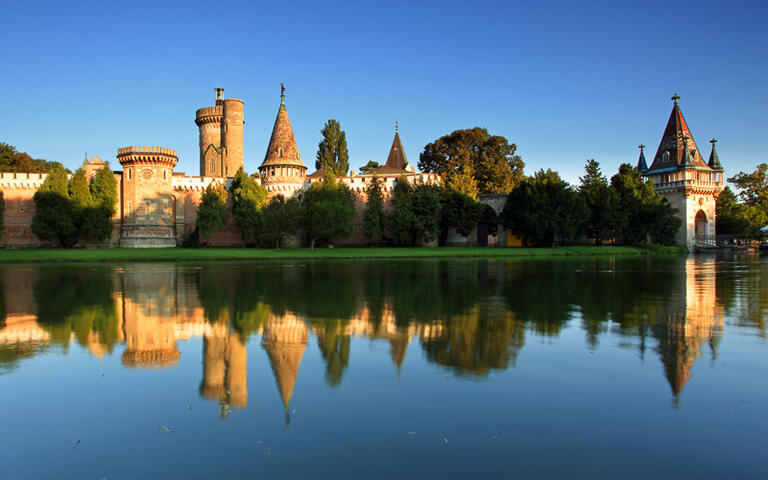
x=564, y=81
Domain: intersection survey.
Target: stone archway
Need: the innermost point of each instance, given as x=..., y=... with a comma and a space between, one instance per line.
x=701, y=226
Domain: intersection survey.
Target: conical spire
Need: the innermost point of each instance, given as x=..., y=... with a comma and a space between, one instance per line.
x=675, y=141
x=396, y=157
x=282, y=149
x=714, y=160
x=641, y=165
x=687, y=158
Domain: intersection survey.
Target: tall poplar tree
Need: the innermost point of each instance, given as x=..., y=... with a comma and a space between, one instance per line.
x=248, y=201
x=332, y=154
x=600, y=200
x=373, y=215
x=54, y=212
x=104, y=189
x=212, y=211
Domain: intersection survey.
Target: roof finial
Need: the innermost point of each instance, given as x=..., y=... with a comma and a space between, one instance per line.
x=675, y=97
x=397, y=125
x=641, y=147
x=713, y=142
x=282, y=93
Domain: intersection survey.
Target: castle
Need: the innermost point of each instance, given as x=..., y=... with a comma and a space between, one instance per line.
x=156, y=207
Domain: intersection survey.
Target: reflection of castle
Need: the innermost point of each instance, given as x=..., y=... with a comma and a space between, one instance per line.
x=693, y=319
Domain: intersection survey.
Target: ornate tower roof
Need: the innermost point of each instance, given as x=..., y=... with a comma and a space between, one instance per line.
x=282, y=149
x=676, y=140
x=641, y=165
x=714, y=160
x=396, y=160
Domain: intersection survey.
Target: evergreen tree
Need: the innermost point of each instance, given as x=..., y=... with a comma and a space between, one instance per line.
x=248, y=202
x=369, y=167
x=332, y=152
x=92, y=220
x=402, y=219
x=54, y=212
x=281, y=219
x=373, y=215
x=426, y=213
x=104, y=189
x=517, y=215
x=328, y=210
x=79, y=190
x=600, y=200
x=212, y=211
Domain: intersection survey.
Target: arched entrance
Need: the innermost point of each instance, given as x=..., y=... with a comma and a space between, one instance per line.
x=488, y=225
x=700, y=226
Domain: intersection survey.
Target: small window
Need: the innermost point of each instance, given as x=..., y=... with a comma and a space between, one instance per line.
x=165, y=174
x=129, y=174
x=280, y=152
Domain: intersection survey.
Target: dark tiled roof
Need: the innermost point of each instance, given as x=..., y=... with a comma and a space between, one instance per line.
x=674, y=142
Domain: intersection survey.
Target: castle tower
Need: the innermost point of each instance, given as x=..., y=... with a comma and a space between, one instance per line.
x=282, y=171
x=147, y=202
x=232, y=137
x=221, y=136
x=209, y=120
x=685, y=180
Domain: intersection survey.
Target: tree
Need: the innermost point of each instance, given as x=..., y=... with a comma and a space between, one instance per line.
x=754, y=195
x=426, y=213
x=369, y=167
x=544, y=209
x=463, y=181
x=401, y=219
x=12, y=160
x=332, y=152
x=104, y=189
x=79, y=190
x=600, y=200
x=248, y=202
x=212, y=211
x=54, y=212
x=373, y=215
x=281, y=219
x=639, y=211
x=737, y=219
x=490, y=159
x=459, y=211
x=328, y=209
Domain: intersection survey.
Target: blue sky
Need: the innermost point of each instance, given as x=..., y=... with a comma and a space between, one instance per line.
x=565, y=81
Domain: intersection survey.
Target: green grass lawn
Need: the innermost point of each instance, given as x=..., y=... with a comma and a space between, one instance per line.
x=203, y=254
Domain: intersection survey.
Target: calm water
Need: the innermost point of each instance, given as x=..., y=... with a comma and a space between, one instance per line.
x=574, y=368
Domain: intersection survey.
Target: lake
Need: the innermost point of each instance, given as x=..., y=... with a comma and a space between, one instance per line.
x=645, y=367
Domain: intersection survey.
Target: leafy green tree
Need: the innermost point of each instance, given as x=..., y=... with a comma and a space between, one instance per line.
x=490, y=159
x=401, y=219
x=248, y=201
x=79, y=190
x=373, y=215
x=463, y=181
x=328, y=210
x=91, y=219
x=459, y=211
x=754, y=196
x=104, y=189
x=639, y=210
x=544, y=209
x=600, y=199
x=369, y=167
x=212, y=211
x=12, y=160
x=426, y=213
x=332, y=154
x=54, y=212
x=281, y=219
x=736, y=218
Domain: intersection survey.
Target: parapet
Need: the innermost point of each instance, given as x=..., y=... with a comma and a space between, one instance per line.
x=209, y=115
x=147, y=155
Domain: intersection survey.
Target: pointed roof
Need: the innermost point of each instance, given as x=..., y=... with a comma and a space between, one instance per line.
x=675, y=141
x=642, y=166
x=396, y=161
x=282, y=149
x=714, y=160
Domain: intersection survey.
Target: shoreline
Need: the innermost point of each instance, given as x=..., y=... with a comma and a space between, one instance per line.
x=174, y=254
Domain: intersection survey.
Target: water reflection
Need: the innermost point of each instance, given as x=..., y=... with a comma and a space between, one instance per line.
x=470, y=317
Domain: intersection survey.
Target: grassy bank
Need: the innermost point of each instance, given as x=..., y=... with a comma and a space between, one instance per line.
x=206, y=254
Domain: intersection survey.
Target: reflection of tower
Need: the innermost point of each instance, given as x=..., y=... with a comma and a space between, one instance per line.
x=285, y=339
x=398, y=348
x=225, y=369
x=682, y=330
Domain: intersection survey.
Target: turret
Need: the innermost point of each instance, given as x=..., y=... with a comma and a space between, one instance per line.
x=232, y=136
x=642, y=166
x=209, y=121
x=714, y=159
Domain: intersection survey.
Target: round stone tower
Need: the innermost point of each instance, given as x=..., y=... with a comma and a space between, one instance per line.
x=147, y=200
x=232, y=136
x=209, y=121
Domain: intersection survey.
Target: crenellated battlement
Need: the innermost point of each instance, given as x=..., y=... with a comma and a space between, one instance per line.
x=209, y=115
x=148, y=155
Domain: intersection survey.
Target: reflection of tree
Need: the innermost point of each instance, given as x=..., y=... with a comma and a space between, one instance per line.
x=334, y=346
x=77, y=301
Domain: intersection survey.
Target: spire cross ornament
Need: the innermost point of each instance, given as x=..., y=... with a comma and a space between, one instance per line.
x=713, y=142
x=282, y=93
x=675, y=97
x=397, y=126
x=641, y=147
